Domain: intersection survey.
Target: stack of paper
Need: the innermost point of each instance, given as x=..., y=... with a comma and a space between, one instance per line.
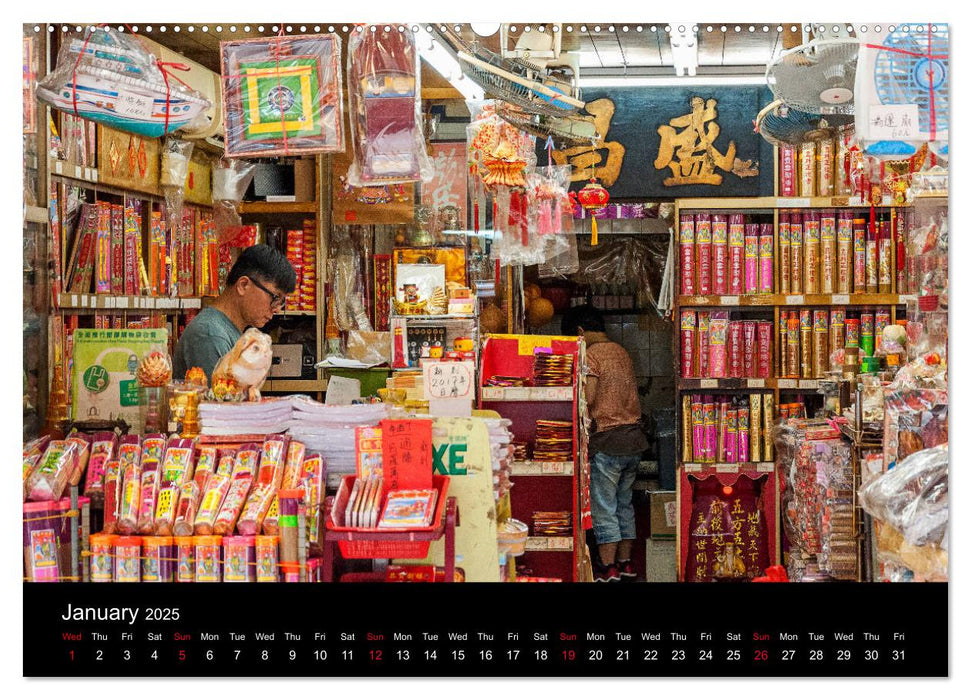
x=329, y=430
x=271, y=415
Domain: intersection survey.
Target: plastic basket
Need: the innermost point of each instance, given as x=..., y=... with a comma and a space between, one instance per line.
x=403, y=545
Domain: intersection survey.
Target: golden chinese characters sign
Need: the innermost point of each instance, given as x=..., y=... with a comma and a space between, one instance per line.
x=674, y=142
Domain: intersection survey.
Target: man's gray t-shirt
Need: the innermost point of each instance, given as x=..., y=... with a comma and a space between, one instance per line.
x=209, y=336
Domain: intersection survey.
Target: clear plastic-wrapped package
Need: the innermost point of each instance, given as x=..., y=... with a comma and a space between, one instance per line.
x=911, y=504
x=384, y=103
x=53, y=472
x=348, y=304
x=914, y=420
x=551, y=217
x=282, y=95
x=110, y=77
x=230, y=178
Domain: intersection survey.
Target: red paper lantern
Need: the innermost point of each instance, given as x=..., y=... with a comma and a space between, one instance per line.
x=593, y=196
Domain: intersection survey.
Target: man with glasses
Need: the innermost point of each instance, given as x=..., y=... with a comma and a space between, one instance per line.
x=255, y=290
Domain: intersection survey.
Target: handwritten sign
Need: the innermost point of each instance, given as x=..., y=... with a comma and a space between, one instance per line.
x=407, y=451
x=893, y=122
x=448, y=387
x=130, y=104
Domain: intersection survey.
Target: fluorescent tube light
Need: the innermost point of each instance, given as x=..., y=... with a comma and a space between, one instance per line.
x=439, y=58
x=670, y=81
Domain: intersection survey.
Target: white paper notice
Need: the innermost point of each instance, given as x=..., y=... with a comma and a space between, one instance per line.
x=130, y=104
x=893, y=122
x=448, y=387
x=342, y=391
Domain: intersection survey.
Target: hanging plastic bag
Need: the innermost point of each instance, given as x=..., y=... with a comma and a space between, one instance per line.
x=175, y=169
x=384, y=102
x=230, y=178
x=111, y=78
x=551, y=220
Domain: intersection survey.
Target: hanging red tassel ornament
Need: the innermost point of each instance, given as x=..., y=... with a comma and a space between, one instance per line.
x=593, y=196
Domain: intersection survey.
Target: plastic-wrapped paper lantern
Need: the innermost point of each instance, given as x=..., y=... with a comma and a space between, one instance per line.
x=593, y=196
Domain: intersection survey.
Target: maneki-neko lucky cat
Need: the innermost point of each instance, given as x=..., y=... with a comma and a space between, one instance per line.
x=243, y=369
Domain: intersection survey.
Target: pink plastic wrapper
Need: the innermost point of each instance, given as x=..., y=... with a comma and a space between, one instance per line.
x=764, y=367
x=711, y=436
x=719, y=252
x=785, y=253
x=731, y=445
x=787, y=170
x=296, y=453
x=766, y=258
x=232, y=505
x=736, y=362
x=698, y=428
x=736, y=256
x=102, y=449
x=859, y=256
x=717, y=348
x=129, y=501
x=689, y=329
x=687, y=242
x=743, y=427
x=273, y=460
x=704, y=342
x=188, y=505
x=257, y=505
x=752, y=259
x=750, y=349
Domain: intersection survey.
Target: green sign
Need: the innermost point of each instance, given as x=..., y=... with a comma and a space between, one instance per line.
x=95, y=379
x=128, y=391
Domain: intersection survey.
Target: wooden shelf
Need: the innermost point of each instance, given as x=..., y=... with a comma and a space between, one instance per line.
x=549, y=544
x=295, y=385
x=127, y=303
x=527, y=393
x=688, y=384
x=531, y=468
x=844, y=202
x=285, y=312
x=729, y=467
x=770, y=300
x=278, y=207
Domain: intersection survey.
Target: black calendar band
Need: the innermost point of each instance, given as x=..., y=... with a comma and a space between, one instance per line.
x=495, y=630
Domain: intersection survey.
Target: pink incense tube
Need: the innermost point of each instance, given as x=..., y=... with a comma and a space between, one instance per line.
x=766, y=258
x=703, y=252
x=736, y=256
x=719, y=246
x=752, y=259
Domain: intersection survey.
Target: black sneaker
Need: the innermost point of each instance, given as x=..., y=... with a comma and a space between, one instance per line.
x=626, y=570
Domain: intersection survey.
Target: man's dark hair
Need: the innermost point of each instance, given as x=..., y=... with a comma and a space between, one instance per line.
x=264, y=264
x=587, y=317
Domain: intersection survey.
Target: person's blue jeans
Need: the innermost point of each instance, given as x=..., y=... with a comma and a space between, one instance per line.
x=611, y=496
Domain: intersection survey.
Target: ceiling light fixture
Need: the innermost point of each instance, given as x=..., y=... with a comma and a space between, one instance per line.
x=442, y=60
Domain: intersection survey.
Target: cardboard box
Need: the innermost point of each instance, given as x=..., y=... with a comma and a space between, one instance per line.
x=661, y=561
x=664, y=514
x=287, y=361
x=304, y=180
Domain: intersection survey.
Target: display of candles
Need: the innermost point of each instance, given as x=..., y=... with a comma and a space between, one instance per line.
x=726, y=429
x=809, y=337
x=825, y=252
x=715, y=346
x=815, y=168
x=725, y=254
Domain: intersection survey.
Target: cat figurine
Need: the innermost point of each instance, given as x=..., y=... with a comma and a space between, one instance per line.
x=247, y=364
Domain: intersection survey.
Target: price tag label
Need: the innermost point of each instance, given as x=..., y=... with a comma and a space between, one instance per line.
x=808, y=384
x=726, y=468
x=795, y=300
x=58, y=167
x=787, y=383
x=841, y=299
x=756, y=383
x=552, y=467
x=793, y=202
x=729, y=301
x=121, y=303
x=94, y=174
x=77, y=172
x=893, y=122
x=709, y=383
x=130, y=104
x=560, y=543
x=515, y=393
x=491, y=393
x=74, y=300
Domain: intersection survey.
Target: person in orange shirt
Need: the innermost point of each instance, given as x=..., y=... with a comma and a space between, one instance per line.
x=616, y=442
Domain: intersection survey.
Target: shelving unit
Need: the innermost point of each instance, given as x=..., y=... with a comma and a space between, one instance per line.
x=540, y=485
x=782, y=389
x=290, y=216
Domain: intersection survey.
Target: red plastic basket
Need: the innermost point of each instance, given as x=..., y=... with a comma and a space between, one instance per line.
x=403, y=546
